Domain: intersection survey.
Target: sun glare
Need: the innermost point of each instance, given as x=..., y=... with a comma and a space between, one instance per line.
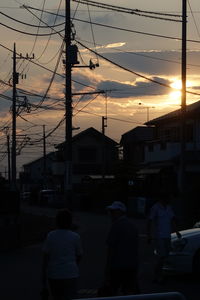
x=177, y=84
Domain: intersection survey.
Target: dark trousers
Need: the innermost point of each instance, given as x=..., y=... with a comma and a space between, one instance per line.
x=63, y=289
x=124, y=281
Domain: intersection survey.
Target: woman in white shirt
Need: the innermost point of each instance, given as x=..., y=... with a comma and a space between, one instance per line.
x=62, y=253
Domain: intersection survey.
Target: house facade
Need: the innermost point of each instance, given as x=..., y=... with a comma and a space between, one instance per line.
x=164, y=151
x=133, y=143
x=161, y=169
x=93, y=154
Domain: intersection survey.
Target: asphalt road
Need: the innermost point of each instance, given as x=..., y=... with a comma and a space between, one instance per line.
x=20, y=269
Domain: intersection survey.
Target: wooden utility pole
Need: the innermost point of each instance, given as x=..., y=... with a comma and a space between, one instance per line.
x=183, y=97
x=6, y=129
x=68, y=108
x=44, y=159
x=8, y=150
x=104, y=125
x=14, y=115
x=13, y=151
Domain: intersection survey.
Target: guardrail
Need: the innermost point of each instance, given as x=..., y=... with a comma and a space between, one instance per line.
x=154, y=296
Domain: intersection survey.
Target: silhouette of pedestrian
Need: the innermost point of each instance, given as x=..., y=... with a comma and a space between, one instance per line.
x=62, y=252
x=161, y=221
x=122, y=255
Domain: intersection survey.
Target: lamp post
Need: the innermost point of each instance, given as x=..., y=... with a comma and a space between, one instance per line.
x=147, y=107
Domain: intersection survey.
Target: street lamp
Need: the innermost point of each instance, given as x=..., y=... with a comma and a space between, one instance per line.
x=147, y=107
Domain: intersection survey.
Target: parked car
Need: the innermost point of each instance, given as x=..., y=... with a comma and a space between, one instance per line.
x=185, y=252
x=25, y=196
x=50, y=198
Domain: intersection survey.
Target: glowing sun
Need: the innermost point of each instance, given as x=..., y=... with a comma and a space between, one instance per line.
x=177, y=85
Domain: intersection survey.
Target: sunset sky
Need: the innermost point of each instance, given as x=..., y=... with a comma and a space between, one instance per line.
x=141, y=47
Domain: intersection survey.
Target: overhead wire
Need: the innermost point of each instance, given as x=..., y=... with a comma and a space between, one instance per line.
x=131, y=71
x=53, y=75
x=112, y=118
x=29, y=33
x=193, y=17
x=45, y=68
x=137, y=32
x=36, y=37
x=86, y=104
x=92, y=31
x=143, y=13
x=119, y=28
x=48, y=41
x=31, y=25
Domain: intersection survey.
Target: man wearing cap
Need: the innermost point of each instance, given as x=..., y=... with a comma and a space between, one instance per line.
x=122, y=257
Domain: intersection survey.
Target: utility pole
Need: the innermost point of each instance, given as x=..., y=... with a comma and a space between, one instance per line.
x=44, y=158
x=14, y=115
x=71, y=51
x=6, y=130
x=68, y=108
x=8, y=150
x=183, y=97
x=104, y=125
x=13, y=153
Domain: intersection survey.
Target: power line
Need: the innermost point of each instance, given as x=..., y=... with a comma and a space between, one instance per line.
x=45, y=68
x=119, y=28
x=130, y=71
x=112, y=118
x=195, y=23
x=142, y=13
x=29, y=33
x=31, y=25
x=135, y=31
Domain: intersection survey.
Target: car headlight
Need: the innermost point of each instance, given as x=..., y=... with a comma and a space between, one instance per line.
x=178, y=244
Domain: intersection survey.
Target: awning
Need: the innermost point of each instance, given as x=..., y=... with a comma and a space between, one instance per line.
x=148, y=171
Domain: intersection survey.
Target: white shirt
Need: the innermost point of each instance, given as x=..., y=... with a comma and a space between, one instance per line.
x=63, y=246
x=162, y=217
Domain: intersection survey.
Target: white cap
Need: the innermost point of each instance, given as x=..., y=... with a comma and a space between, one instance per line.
x=117, y=205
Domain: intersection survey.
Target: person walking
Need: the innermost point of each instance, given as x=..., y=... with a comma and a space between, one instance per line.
x=122, y=252
x=62, y=252
x=161, y=222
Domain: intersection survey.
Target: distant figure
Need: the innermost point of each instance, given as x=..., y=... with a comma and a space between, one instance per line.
x=161, y=221
x=62, y=253
x=122, y=256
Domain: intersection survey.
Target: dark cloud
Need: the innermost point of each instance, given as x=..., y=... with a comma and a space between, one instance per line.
x=166, y=63
x=80, y=81
x=155, y=65
x=5, y=104
x=121, y=90
x=117, y=89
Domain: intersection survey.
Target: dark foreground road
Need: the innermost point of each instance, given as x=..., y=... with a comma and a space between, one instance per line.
x=20, y=269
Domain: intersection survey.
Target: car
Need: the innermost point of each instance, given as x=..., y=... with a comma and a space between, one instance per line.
x=51, y=198
x=25, y=196
x=184, y=256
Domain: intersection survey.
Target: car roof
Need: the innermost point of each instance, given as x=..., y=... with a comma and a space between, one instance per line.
x=188, y=232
